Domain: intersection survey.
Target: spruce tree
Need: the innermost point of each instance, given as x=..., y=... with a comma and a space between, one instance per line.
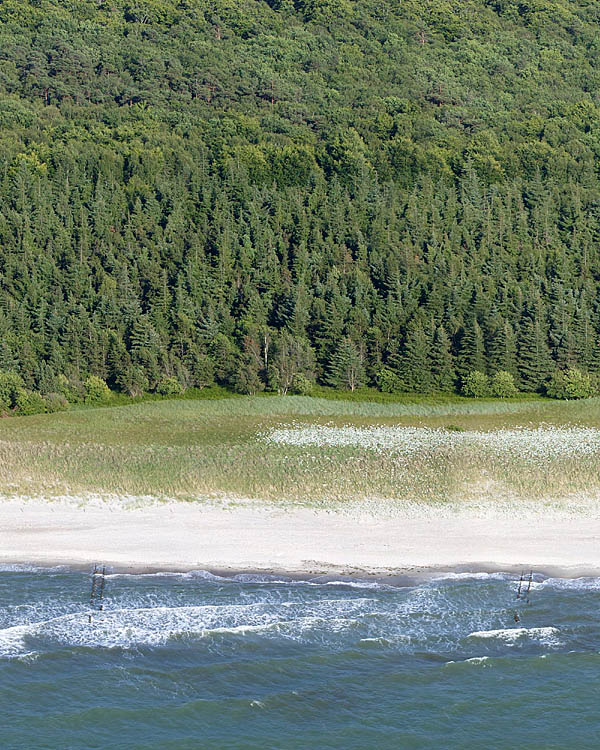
x=471, y=353
x=535, y=363
x=502, y=348
x=442, y=363
x=346, y=369
x=413, y=361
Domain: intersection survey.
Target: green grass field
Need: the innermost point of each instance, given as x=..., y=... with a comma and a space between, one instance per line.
x=191, y=449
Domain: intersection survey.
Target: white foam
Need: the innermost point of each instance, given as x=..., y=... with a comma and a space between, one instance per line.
x=26, y=568
x=480, y=576
x=12, y=641
x=135, y=627
x=579, y=584
x=510, y=636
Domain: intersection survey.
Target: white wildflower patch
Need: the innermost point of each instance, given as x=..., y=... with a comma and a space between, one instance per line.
x=542, y=443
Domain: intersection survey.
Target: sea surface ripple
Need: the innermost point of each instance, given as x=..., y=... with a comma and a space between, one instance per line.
x=197, y=660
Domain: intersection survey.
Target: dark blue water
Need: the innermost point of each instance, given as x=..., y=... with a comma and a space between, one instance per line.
x=197, y=661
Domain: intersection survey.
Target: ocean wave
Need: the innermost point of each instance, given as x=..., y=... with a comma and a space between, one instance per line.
x=12, y=640
x=30, y=568
x=545, y=635
x=136, y=627
x=447, y=615
x=475, y=660
x=475, y=576
x=585, y=583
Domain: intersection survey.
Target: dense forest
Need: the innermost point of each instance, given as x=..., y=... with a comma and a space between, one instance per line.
x=273, y=193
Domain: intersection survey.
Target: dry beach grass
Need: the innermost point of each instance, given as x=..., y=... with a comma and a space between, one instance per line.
x=309, y=451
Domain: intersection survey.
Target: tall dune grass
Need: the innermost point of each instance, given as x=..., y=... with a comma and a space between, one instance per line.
x=190, y=450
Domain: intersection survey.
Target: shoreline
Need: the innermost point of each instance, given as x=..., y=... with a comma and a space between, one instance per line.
x=396, y=577
x=295, y=542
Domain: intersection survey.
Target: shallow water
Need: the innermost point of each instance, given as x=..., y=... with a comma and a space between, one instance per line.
x=197, y=661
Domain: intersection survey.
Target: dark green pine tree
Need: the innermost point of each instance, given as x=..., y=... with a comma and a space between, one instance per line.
x=413, y=361
x=471, y=351
x=535, y=362
x=566, y=350
x=592, y=361
x=586, y=338
x=8, y=361
x=502, y=348
x=443, y=374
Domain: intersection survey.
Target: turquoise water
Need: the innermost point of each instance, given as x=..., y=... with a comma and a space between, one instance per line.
x=193, y=660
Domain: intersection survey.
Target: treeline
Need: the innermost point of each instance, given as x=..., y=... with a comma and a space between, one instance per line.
x=268, y=196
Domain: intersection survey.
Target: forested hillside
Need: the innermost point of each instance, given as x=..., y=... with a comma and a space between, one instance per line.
x=264, y=194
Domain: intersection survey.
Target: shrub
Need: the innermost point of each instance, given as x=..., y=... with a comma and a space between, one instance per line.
x=503, y=385
x=55, y=402
x=301, y=385
x=476, y=384
x=96, y=391
x=571, y=383
x=169, y=387
x=30, y=402
x=73, y=391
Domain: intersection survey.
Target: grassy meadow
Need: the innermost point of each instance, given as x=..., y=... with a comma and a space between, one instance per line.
x=308, y=450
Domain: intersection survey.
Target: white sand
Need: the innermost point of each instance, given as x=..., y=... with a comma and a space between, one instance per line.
x=249, y=536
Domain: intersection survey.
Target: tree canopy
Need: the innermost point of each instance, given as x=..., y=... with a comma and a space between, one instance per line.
x=261, y=193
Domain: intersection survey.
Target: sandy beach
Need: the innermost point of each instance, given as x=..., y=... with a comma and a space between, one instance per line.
x=251, y=536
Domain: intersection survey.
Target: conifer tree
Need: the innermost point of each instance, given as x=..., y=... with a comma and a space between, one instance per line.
x=346, y=369
x=442, y=365
x=535, y=363
x=502, y=348
x=413, y=361
x=471, y=352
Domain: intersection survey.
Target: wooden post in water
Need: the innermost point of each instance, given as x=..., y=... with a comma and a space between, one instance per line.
x=523, y=594
x=520, y=585
x=97, y=591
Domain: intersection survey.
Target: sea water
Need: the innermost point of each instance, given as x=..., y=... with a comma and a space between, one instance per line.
x=197, y=660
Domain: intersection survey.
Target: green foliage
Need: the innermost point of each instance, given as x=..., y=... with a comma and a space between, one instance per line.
x=502, y=385
x=11, y=386
x=96, y=391
x=292, y=361
x=193, y=190
x=30, y=402
x=388, y=381
x=246, y=378
x=413, y=362
x=347, y=369
x=476, y=385
x=572, y=383
x=301, y=385
x=132, y=380
x=201, y=369
x=55, y=402
x=454, y=428
x=72, y=391
x=169, y=387
x=443, y=374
